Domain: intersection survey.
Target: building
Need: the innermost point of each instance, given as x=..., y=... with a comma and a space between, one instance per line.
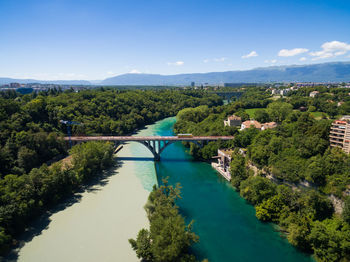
x=268, y=125
x=223, y=164
x=284, y=92
x=250, y=123
x=340, y=103
x=233, y=121
x=257, y=125
x=274, y=91
x=15, y=85
x=314, y=93
x=339, y=135
x=192, y=84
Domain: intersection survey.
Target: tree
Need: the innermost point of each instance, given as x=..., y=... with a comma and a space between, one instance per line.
x=27, y=158
x=238, y=169
x=169, y=238
x=245, y=138
x=315, y=205
x=142, y=245
x=269, y=209
x=330, y=240
x=261, y=115
x=346, y=210
x=299, y=230
x=257, y=189
x=4, y=241
x=278, y=111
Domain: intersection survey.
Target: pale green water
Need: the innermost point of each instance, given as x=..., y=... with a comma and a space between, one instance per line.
x=98, y=226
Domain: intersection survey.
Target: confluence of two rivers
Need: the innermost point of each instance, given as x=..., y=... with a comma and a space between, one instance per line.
x=97, y=224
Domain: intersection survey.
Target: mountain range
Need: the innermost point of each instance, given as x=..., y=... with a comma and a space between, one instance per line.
x=325, y=72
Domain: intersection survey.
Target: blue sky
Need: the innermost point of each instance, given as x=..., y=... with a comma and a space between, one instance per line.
x=76, y=39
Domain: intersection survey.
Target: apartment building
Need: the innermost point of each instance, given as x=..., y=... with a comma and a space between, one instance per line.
x=233, y=121
x=339, y=135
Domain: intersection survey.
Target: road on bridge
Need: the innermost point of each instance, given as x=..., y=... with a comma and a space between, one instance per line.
x=148, y=138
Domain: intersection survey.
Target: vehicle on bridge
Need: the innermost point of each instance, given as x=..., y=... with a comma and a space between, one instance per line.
x=184, y=135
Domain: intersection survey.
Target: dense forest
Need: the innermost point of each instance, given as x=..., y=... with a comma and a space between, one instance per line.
x=287, y=158
x=30, y=132
x=30, y=124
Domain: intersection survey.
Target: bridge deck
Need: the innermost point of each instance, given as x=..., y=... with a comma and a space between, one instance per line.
x=148, y=138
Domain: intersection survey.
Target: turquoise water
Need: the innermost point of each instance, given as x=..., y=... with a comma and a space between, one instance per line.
x=225, y=223
x=98, y=225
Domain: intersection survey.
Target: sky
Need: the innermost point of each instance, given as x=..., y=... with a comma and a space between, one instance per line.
x=97, y=39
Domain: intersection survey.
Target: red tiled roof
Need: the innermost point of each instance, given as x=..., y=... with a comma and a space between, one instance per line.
x=270, y=125
x=253, y=123
x=233, y=117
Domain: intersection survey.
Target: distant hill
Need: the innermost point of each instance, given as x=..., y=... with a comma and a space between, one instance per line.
x=4, y=81
x=326, y=72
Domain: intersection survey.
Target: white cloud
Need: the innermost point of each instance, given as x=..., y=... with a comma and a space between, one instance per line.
x=135, y=71
x=251, y=54
x=177, y=63
x=302, y=59
x=221, y=59
x=205, y=60
x=110, y=73
x=331, y=49
x=292, y=52
x=273, y=61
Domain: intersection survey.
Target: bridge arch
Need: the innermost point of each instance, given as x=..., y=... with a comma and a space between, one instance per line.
x=157, y=147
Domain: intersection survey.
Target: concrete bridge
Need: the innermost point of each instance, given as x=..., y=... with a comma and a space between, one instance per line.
x=229, y=95
x=156, y=144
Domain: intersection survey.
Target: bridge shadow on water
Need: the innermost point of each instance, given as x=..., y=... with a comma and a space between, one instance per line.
x=151, y=159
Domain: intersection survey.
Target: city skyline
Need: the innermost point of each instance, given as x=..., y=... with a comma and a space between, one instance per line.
x=90, y=40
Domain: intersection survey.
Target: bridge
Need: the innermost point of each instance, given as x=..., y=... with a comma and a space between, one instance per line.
x=228, y=95
x=156, y=144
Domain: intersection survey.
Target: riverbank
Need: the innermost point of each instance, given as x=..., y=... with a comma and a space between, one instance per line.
x=99, y=224
x=96, y=227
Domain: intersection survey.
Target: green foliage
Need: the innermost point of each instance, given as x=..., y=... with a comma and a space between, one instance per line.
x=261, y=115
x=193, y=114
x=29, y=124
x=330, y=240
x=245, y=138
x=299, y=229
x=257, y=189
x=5, y=241
x=297, y=150
x=168, y=238
x=315, y=205
x=89, y=158
x=346, y=210
x=29, y=132
x=238, y=169
x=24, y=197
x=142, y=245
x=270, y=209
x=278, y=111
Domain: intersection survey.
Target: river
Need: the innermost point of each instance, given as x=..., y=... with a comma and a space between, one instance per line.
x=97, y=225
